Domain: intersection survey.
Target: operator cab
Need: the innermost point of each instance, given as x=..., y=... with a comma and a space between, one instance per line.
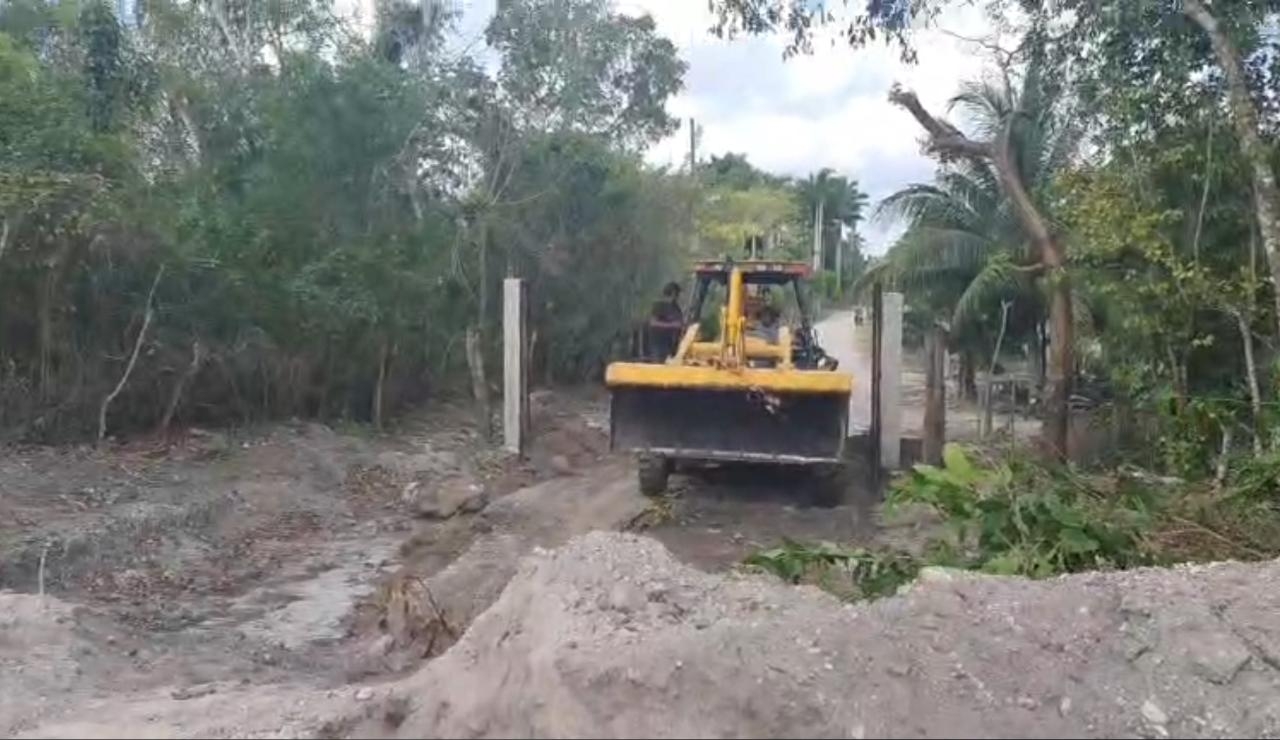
x=775, y=290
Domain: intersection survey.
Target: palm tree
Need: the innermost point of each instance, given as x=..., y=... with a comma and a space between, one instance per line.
x=965, y=254
x=958, y=258
x=843, y=206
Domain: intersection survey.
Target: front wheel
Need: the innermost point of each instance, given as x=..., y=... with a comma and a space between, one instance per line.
x=831, y=485
x=654, y=471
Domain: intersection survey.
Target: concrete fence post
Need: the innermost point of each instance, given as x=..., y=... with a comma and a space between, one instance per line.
x=515, y=389
x=891, y=381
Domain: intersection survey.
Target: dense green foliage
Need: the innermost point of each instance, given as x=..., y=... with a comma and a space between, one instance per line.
x=1014, y=516
x=1108, y=185
x=1123, y=157
x=319, y=221
x=1018, y=518
x=226, y=212
x=735, y=202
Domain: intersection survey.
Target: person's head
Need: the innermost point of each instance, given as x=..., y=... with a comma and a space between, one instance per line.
x=671, y=291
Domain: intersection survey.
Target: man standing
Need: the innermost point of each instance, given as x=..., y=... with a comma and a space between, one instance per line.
x=666, y=322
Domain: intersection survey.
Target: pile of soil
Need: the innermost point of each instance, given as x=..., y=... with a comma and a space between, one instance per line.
x=610, y=636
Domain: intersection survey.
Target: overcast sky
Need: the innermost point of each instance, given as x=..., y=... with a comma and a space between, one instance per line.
x=793, y=117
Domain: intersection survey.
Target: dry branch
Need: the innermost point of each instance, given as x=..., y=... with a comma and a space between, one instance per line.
x=197, y=360
x=944, y=139
x=147, y=315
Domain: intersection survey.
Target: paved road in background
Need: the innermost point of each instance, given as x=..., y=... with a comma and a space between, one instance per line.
x=851, y=345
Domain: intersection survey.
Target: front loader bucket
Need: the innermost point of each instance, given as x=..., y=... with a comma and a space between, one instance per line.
x=730, y=424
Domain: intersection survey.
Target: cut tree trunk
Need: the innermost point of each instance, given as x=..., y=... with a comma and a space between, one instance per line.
x=479, y=383
x=175, y=398
x=383, y=354
x=133, y=357
x=935, y=403
x=1061, y=365
x=1251, y=372
x=1244, y=116
x=988, y=396
x=1060, y=368
x=948, y=141
x=968, y=376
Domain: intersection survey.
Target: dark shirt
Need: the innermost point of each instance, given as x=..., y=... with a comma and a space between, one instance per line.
x=663, y=340
x=666, y=311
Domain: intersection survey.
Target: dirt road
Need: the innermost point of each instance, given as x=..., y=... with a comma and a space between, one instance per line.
x=850, y=343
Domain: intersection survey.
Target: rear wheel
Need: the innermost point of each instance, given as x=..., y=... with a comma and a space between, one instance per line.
x=654, y=471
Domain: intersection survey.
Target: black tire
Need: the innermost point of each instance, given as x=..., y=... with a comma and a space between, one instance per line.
x=653, y=473
x=831, y=486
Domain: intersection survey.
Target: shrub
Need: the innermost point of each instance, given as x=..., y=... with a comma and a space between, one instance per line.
x=1022, y=518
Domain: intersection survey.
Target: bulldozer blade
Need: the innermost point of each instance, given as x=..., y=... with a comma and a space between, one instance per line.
x=730, y=425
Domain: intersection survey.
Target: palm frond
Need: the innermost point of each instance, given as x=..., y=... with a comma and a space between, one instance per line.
x=986, y=106
x=928, y=247
x=997, y=279
x=926, y=204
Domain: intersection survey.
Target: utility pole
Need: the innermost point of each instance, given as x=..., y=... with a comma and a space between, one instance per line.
x=840, y=264
x=817, y=237
x=693, y=146
x=693, y=190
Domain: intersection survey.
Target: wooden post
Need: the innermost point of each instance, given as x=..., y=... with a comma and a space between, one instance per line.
x=515, y=388
x=935, y=403
x=877, y=330
x=1013, y=403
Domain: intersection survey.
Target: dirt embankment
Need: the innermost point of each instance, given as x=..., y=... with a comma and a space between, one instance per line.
x=610, y=636
x=219, y=562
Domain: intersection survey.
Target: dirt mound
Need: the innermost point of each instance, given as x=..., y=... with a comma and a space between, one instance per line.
x=39, y=654
x=609, y=636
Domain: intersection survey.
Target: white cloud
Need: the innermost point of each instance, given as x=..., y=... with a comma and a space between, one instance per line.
x=827, y=109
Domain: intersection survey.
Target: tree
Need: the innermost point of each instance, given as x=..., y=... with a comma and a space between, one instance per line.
x=733, y=171
x=843, y=207
x=567, y=67
x=1022, y=143
x=577, y=65
x=727, y=216
x=961, y=258
x=313, y=201
x=1123, y=41
x=948, y=143
x=595, y=234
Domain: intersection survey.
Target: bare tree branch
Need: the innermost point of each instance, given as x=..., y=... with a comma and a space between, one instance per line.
x=944, y=139
x=1204, y=194
x=1004, y=58
x=133, y=358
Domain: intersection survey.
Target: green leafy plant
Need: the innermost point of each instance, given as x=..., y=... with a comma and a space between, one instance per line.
x=851, y=573
x=1024, y=518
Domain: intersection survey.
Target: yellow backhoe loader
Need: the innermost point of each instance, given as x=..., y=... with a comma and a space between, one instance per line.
x=753, y=394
